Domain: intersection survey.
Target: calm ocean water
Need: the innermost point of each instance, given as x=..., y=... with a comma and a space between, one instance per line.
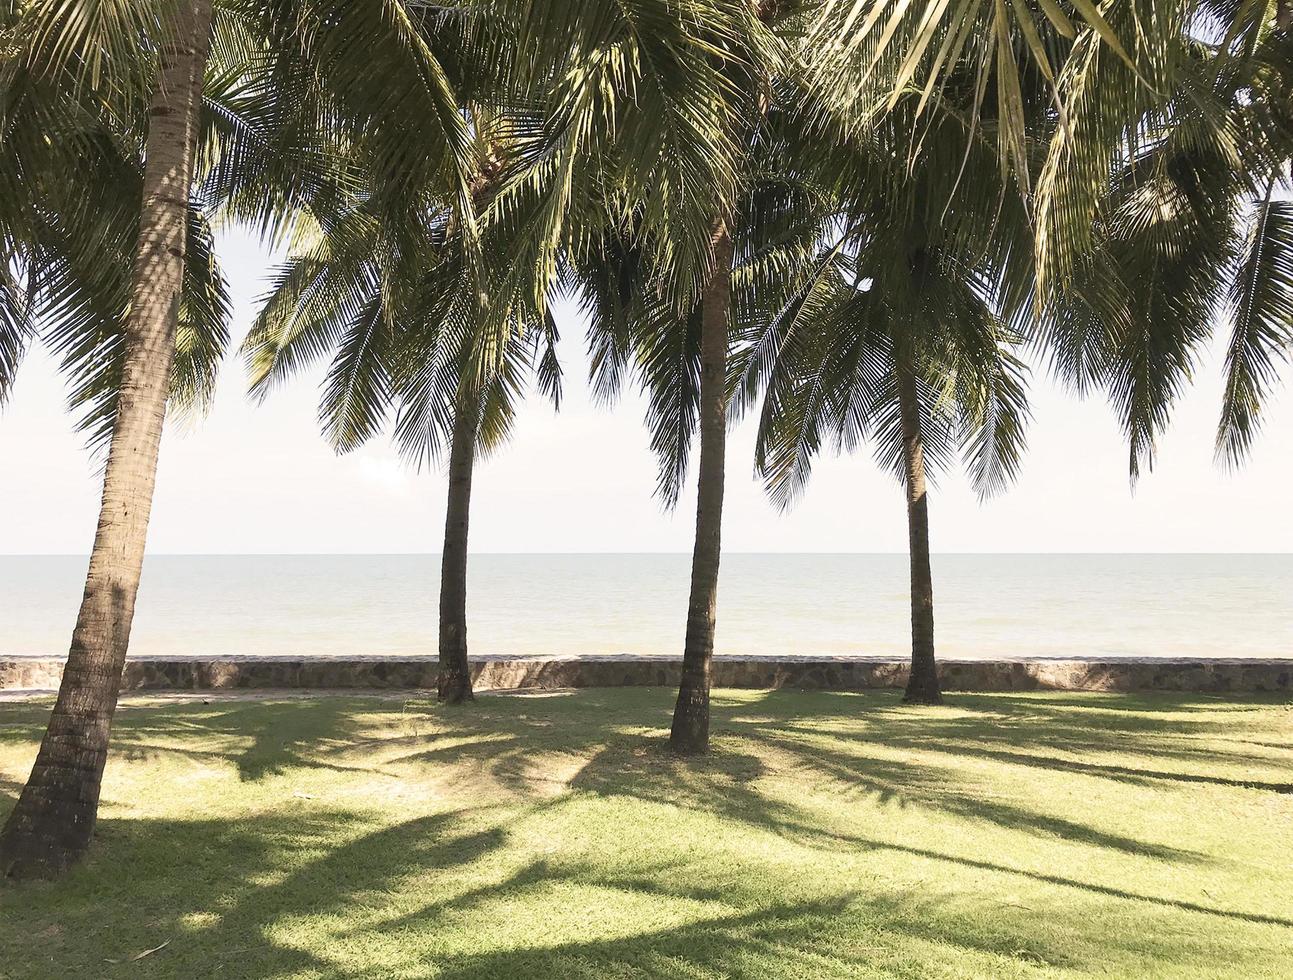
x=986, y=605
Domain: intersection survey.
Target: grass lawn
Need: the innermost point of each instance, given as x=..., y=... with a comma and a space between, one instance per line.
x=552, y=836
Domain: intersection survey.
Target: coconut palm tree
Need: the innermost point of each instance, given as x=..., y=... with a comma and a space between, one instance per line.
x=914, y=358
x=1169, y=217
x=662, y=305
x=632, y=118
x=409, y=338
x=609, y=110
x=437, y=324
x=901, y=334
x=72, y=189
x=54, y=817
x=146, y=66
x=750, y=76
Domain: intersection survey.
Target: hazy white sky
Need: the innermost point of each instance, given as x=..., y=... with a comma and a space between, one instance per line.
x=260, y=479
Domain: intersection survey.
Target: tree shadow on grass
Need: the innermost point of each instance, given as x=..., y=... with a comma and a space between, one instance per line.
x=1122, y=702
x=642, y=768
x=939, y=788
x=1093, y=887
x=846, y=936
x=1009, y=730
x=785, y=939
x=665, y=781
x=1127, y=716
x=232, y=894
x=287, y=871
x=219, y=918
x=520, y=743
x=1130, y=774
x=1022, y=729
x=24, y=721
x=215, y=889
x=266, y=738
x=1045, y=734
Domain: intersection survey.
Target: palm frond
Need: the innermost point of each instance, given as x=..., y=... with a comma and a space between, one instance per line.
x=202, y=331
x=1261, y=300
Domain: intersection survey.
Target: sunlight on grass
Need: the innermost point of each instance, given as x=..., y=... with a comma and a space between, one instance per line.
x=826, y=835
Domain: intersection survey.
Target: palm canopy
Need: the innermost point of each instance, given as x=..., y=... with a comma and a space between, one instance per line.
x=635, y=333
x=71, y=174
x=403, y=343
x=650, y=109
x=1189, y=232
x=1103, y=66
x=638, y=248
x=924, y=275
x=1155, y=194
x=399, y=309
x=288, y=84
x=837, y=382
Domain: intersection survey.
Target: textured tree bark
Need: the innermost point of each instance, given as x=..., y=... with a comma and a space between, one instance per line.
x=455, y=674
x=922, y=686
x=53, y=822
x=690, y=732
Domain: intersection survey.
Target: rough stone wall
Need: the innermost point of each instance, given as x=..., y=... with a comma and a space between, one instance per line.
x=814, y=673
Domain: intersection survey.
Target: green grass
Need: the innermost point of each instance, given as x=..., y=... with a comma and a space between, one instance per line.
x=826, y=835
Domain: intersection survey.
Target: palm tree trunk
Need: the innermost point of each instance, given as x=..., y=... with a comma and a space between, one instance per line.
x=690, y=732
x=53, y=822
x=922, y=685
x=455, y=675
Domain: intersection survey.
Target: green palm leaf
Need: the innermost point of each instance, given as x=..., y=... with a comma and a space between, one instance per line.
x=1261, y=297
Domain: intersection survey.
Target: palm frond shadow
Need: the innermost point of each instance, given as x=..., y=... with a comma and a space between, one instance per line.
x=315, y=729
x=275, y=867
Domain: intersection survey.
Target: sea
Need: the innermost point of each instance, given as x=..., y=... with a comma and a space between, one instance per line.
x=986, y=606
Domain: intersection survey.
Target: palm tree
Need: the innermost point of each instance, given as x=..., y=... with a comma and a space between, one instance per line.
x=408, y=338
x=428, y=319
x=1166, y=214
x=54, y=818
x=656, y=258
x=630, y=115
x=72, y=187
x=107, y=58
x=874, y=55
x=902, y=333
x=1115, y=73
x=750, y=81
x=634, y=332
x=914, y=357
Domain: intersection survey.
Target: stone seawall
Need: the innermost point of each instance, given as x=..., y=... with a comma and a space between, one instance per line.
x=179, y=673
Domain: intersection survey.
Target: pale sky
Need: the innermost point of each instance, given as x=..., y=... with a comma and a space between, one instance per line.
x=260, y=479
